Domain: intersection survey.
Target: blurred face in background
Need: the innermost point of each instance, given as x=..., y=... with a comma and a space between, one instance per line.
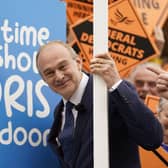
x=144, y=82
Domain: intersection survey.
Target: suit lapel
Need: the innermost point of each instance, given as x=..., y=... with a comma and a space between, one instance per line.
x=52, y=138
x=84, y=116
x=84, y=113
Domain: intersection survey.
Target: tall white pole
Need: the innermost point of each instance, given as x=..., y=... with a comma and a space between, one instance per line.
x=100, y=45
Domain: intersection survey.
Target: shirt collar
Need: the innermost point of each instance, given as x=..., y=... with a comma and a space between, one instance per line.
x=77, y=96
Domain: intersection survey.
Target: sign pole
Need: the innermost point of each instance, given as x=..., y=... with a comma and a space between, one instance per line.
x=100, y=112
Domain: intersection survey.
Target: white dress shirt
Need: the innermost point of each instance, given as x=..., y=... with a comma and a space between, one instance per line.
x=77, y=96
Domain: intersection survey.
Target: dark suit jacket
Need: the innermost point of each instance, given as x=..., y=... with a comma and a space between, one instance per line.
x=130, y=124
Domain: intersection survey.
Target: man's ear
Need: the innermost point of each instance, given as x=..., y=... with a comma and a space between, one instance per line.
x=79, y=62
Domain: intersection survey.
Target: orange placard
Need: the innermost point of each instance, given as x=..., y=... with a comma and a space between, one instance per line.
x=151, y=12
x=84, y=1
x=163, y=17
x=159, y=157
x=91, y=1
x=77, y=10
x=83, y=33
x=129, y=43
x=156, y=159
x=152, y=102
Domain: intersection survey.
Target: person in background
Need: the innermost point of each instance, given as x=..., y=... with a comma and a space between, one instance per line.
x=144, y=80
x=162, y=88
x=71, y=135
x=163, y=117
x=150, y=79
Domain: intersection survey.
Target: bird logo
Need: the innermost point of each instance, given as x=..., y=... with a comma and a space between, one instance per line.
x=120, y=18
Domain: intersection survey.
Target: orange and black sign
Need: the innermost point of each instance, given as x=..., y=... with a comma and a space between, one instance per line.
x=154, y=159
x=85, y=60
x=84, y=36
x=128, y=42
x=151, y=13
x=86, y=1
x=159, y=157
x=152, y=102
x=77, y=10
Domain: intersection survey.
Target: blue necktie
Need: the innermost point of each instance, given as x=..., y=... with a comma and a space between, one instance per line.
x=66, y=136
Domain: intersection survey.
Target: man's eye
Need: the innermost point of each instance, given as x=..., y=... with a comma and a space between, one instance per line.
x=49, y=74
x=152, y=84
x=139, y=83
x=63, y=67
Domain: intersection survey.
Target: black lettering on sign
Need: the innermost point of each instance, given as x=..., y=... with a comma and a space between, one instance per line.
x=83, y=7
x=146, y=4
x=79, y=14
x=129, y=45
x=144, y=17
x=84, y=32
x=119, y=60
x=86, y=38
x=86, y=1
x=121, y=37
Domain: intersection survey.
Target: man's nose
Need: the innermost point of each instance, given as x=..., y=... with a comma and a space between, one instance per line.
x=59, y=74
x=146, y=86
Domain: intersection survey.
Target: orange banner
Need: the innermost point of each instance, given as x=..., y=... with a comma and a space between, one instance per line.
x=129, y=43
x=152, y=102
x=77, y=10
x=159, y=157
x=151, y=12
x=156, y=159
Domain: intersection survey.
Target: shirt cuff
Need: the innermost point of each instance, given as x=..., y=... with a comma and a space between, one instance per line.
x=115, y=86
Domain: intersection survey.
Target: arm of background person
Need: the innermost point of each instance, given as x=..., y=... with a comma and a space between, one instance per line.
x=162, y=81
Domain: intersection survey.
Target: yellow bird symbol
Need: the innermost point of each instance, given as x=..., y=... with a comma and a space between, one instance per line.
x=120, y=18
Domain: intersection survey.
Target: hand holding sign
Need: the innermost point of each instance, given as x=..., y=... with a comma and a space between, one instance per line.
x=162, y=81
x=104, y=65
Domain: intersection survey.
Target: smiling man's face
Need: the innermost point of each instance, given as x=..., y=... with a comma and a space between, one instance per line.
x=60, y=70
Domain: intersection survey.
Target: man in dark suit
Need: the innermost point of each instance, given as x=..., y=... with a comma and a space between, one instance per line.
x=130, y=122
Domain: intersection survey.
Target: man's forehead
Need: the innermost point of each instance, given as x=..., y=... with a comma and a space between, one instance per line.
x=145, y=79
x=54, y=51
x=52, y=46
x=145, y=72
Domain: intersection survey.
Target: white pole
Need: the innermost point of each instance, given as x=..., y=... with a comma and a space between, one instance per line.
x=100, y=45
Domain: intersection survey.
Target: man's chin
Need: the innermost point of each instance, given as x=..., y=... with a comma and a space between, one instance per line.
x=66, y=92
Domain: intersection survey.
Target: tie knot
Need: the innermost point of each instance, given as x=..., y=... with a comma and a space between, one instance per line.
x=69, y=105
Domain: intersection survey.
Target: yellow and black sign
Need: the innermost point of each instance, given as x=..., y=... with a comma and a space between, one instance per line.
x=129, y=43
